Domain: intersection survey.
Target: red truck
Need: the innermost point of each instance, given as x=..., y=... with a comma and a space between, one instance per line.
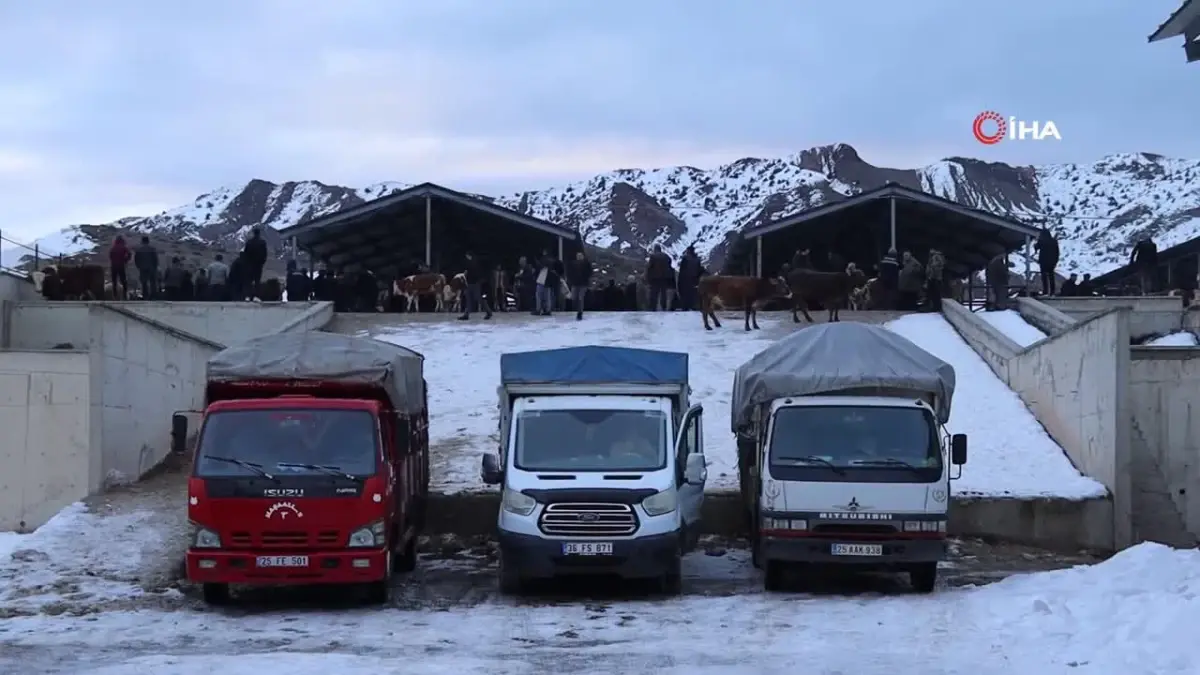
x=311, y=466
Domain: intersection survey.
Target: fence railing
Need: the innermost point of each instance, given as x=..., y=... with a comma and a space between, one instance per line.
x=36, y=254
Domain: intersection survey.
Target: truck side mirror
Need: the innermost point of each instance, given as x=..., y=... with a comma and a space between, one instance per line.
x=179, y=432
x=696, y=472
x=958, y=449
x=490, y=470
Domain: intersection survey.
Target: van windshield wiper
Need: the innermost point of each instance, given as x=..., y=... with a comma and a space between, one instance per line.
x=886, y=461
x=249, y=466
x=813, y=459
x=323, y=468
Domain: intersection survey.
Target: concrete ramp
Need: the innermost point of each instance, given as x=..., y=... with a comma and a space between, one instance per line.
x=81, y=439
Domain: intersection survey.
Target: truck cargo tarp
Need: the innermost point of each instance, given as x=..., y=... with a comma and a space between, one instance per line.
x=839, y=357
x=313, y=355
x=594, y=365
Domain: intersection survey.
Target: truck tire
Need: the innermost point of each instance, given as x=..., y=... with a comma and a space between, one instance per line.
x=671, y=582
x=379, y=592
x=923, y=577
x=215, y=594
x=773, y=575
x=511, y=582
x=407, y=560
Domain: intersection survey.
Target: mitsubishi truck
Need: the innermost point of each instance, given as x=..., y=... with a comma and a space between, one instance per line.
x=843, y=456
x=311, y=465
x=601, y=465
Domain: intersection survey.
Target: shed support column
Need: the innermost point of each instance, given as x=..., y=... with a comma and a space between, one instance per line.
x=758, y=271
x=560, y=248
x=1028, y=255
x=892, y=220
x=428, y=232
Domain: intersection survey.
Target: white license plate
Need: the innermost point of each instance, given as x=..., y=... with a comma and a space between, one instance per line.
x=857, y=549
x=587, y=548
x=281, y=561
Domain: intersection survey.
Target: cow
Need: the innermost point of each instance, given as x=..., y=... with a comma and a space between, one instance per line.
x=733, y=291
x=412, y=287
x=455, y=292
x=830, y=289
x=81, y=282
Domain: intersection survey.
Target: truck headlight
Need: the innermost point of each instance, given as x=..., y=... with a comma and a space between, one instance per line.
x=661, y=503
x=515, y=502
x=370, y=536
x=202, y=537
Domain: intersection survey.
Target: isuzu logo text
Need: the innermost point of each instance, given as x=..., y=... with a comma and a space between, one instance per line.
x=283, y=492
x=990, y=127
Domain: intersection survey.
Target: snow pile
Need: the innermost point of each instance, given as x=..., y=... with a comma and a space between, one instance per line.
x=1010, y=453
x=1180, y=339
x=1132, y=615
x=67, y=242
x=1012, y=325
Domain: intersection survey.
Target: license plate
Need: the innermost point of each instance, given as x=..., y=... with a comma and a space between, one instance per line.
x=282, y=561
x=858, y=549
x=587, y=548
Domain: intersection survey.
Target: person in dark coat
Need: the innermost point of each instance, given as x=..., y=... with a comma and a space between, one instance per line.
x=1145, y=260
x=612, y=297
x=201, y=290
x=690, y=271
x=660, y=277
x=145, y=259
x=322, y=286
x=525, y=281
x=935, y=279
x=474, y=299
x=255, y=255
x=366, y=291
x=801, y=260
x=996, y=274
x=118, y=257
x=910, y=281
x=173, y=280
x=889, y=278
x=296, y=283
x=1047, y=254
x=1070, y=287
x=1087, y=287
x=579, y=277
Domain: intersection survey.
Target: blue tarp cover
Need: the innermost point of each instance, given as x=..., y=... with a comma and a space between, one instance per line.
x=594, y=365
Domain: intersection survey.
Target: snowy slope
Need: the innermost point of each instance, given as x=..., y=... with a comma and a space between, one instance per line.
x=1098, y=208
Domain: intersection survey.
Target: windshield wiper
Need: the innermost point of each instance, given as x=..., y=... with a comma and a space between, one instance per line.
x=813, y=459
x=886, y=461
x=323, y=468
x=249, y=466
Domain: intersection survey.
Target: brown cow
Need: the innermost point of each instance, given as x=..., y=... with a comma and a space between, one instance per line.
x=412, y=287
x=81, y=282
x=730, y=291
x=455, y=292
x=830, y=289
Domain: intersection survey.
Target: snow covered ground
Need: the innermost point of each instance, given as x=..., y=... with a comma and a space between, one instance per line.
x=1010, y=453
x=1180, y=339
x=64, y=242
x=1132, y=615
x=1010, y=323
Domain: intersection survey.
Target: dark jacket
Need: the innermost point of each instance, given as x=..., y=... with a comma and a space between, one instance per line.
x=889, y=272
x=145, y=259
x=996, y=272
x=554, y=271
x=255, y=251
x=1145, y=254
x=690, y=270
x=911, y=277
x=579, y=273
x=473, y=270
x=1047, y=249
x=1069, y=288
x=174, y=276
x=658, y=269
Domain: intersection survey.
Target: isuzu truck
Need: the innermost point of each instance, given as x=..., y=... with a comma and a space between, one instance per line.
x=601, y=465
x=843, y=456
x=311, y=467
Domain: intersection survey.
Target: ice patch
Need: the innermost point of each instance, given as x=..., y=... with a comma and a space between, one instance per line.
x=1180, y=339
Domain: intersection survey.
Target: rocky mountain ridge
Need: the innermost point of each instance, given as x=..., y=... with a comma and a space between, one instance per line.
x=1097, y=208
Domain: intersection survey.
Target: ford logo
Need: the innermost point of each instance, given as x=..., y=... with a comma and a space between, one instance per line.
x=589, y=517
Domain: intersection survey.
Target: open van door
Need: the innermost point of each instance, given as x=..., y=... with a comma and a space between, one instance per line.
x=691, y=472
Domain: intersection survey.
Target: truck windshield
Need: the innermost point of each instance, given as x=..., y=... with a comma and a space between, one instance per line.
x=283, y=442
x=866, y=437
x=591, y=440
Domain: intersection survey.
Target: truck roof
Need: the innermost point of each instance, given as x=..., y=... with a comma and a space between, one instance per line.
x=326, y=357
x=594, y=365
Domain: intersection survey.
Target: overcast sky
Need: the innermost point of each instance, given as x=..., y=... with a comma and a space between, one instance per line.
x=128, y=107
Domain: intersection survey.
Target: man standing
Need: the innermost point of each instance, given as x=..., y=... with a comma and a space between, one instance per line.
x=660, y=277
x=145, y=259
x=473, y=272
x=690, y=271
x=934, y=280
x=255, y=255
x=889, y=278
x=996, y=275
x=118, y=258
x=1047, y=250
x=218, y=279
x=1145, y=260
x=579, y=276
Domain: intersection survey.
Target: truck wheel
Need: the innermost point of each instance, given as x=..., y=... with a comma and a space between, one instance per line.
x=511, y=582
x=215, y=594
x=407, y=560
x=379, y=592
x=671, y=582
x=923, y=577
x=773, y=576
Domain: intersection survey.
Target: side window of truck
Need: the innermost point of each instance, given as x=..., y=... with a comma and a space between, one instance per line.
x=403, y=433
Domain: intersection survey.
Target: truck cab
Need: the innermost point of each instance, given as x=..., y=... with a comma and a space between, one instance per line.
x=601, y=465
x=316, y=478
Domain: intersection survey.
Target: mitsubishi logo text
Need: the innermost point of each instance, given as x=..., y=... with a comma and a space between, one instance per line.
x=283, y=510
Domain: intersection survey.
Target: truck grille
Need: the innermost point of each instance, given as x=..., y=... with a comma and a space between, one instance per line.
x=279, y=539
x=580, y=519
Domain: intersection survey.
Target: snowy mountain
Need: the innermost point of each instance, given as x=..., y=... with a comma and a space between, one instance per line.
x=1098, y=208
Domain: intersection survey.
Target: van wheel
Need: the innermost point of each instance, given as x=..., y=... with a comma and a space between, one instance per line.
x=773, y=576
x=923, y=577
x=407, y=560
x=671, y=582
x=215, y=594
x=511, y=582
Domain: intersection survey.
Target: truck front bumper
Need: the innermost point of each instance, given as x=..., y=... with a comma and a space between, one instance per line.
x=642, y=558
x=897, y=553
x=323, y=567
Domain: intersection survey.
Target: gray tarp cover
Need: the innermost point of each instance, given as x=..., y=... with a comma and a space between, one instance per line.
x=842, y=356
x=326, y=356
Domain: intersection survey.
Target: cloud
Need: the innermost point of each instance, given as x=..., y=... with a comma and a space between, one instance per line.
x=125, y=108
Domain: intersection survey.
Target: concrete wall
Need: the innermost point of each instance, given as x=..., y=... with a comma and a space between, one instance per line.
x=1164, y=392
x=13, y=289
x=1150, y=315
x=1075, y=382
x=232, y=322
x=142, y=371
x=45, y=459
x=1044, y=317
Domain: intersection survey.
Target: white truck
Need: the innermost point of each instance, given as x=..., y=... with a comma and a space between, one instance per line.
x=601, y=465
x=843, y=456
